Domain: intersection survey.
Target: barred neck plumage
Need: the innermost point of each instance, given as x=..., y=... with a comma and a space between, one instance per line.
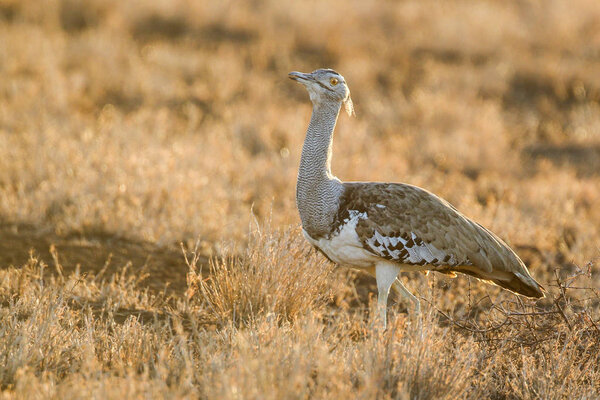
x=318, y=191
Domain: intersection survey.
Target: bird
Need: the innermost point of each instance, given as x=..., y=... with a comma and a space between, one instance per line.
x=388, y=228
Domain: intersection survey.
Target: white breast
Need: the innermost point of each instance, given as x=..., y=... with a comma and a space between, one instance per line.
x=345, y=247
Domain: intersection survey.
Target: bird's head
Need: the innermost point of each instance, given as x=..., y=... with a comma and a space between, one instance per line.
x=325, y=86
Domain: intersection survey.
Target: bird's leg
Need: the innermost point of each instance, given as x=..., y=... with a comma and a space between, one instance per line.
x=386, y=274
x=403, y=291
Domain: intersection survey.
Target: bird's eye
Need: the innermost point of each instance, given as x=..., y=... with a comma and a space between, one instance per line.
x=333, y=81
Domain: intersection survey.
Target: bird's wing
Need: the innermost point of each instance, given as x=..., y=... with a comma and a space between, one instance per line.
x=410, y=225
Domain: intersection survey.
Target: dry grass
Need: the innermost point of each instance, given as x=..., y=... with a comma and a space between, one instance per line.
x=65, y=336
x=276, y=276
x=130, y=128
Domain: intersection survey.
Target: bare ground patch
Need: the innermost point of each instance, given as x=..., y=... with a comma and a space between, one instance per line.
x=95, y=252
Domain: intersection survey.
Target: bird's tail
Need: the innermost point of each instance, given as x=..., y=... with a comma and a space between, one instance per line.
x=507, y=269
x=522, y=284
x=519, y=282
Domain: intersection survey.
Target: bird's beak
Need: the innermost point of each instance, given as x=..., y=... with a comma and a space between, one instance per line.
x=299, y=76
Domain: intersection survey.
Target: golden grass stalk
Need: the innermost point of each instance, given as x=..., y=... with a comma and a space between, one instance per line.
x=278, y=275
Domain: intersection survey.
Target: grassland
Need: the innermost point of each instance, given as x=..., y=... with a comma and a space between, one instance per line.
x=149, y=241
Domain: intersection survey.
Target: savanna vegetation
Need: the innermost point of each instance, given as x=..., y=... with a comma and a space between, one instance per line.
x=149, y=241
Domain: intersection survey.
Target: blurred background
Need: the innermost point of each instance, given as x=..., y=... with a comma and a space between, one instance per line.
x=130, y=127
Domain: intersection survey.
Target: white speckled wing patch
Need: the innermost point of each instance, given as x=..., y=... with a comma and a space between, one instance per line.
x=408, y=248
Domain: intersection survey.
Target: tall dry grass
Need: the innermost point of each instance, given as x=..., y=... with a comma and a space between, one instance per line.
x=74, y=336
x=277, y=276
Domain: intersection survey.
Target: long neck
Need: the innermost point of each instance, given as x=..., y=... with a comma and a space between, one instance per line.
x=315, y=162
x=317, y=189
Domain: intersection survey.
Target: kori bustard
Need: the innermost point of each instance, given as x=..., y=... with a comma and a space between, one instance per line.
x=386, y=228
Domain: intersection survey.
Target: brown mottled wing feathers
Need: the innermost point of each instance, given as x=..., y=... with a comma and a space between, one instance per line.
x=399, y=209
x=405, y=209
